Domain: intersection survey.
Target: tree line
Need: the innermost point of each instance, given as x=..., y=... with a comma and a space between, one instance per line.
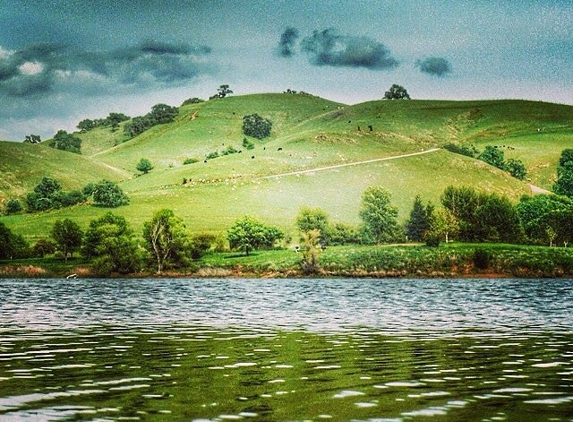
x=48, y=194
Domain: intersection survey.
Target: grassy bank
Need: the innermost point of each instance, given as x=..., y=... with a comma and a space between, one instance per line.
x=453, y=260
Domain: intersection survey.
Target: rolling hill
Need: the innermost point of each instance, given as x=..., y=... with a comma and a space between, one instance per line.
x=320, y=154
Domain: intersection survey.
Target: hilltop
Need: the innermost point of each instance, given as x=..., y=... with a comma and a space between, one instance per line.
x=320, y=154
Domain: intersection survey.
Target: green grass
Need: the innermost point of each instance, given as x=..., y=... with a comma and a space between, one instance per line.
x=309, y=133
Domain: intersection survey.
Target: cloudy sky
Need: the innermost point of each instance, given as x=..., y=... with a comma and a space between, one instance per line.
x=65, y=60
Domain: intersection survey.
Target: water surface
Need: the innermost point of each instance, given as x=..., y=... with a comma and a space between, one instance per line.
x=263, y=350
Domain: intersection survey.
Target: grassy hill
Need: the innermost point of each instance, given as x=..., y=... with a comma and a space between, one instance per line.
x=320, y=154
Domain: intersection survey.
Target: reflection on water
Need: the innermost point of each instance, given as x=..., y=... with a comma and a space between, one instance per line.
x=274, y=350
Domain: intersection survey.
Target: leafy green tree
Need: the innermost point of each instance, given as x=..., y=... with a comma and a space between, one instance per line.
x=310, y=251
x=418, y=224
x=12, y=245
x=444, y=225
x=68, y=236
x=396, y=92
x=379, y=216
x=516, y=168
x=66, y=142
x=566, y=157
x=138, y=125
x=223, y=91
x=256, y=126
x=87, y=124
x=32, y=139
x=541, y=215
x=13, y=206
x=493, y=156
x=47, y=187
x=42, y=198
x=109, y=195
x=313, y=219
x=564, y=183
x=144, y=166
x=163, y=113
x=499, y=220
x=248, y=234
x=194, y=100
x=110, y=244
x=167, y=239
x=462, y=202
x=44, y=247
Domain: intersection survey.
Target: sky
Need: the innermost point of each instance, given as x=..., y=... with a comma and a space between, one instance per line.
x=62, y=61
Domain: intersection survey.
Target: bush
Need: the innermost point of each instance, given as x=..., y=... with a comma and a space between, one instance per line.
x=13, y=206
x=44, y=247
x=481, y=259
x=212, y=155
x=144, y=166
x=109, y=194
x=256, y=126
x=248, y=143
x=190, y=161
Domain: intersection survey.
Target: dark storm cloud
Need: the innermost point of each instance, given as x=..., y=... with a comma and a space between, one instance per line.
x=329, y=48
x=436, y=66
x=287, y=42
x=43, y=68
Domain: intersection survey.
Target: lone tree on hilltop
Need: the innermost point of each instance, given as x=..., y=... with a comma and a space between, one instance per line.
x=223, y=91
x=396, y=92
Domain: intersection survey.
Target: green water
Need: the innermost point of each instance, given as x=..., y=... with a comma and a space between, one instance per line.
x=82, y=358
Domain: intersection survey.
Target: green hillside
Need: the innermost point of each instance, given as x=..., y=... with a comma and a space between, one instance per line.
x=320, y=154
x=22, y=166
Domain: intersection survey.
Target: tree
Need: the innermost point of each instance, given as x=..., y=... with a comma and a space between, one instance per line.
x=379, y=216
x=44, y=194
x=444, y=225
x=463, y=202
x=566, y=157
x=144, y=166
x=310, y=251
x=13, y=206
x=541, y=213
x=32, y=139
x=256, y=126
x=396, y=92
x=313, y=219
x=166, y=238
x=163, y=113
x=564, y=183
x=499, y=220
x=109, y=242
x=194, y=100
x=44, y=247
x=516, y=168
x=493, y=156
x=223, y=91
x=109, y=195
x=68, y=236
x=418, y=224
x=66, y=142
x=12, y=245
x=248, y=234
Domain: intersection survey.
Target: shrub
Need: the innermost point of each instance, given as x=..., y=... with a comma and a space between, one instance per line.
x=13, y=206
x=248, y=143
x=212, y=155
x=190, y=161
x=144, y=166
x=109, y=194
x=481, y=259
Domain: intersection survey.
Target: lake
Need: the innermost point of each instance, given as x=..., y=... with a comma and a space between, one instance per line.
x=286, y=350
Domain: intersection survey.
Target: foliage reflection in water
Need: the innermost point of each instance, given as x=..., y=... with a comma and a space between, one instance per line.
x=156, y=351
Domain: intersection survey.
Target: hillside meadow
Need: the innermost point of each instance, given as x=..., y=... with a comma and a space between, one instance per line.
x=320, y=154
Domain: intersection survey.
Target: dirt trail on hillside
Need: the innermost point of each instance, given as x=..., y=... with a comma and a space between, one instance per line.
x=355, y=163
